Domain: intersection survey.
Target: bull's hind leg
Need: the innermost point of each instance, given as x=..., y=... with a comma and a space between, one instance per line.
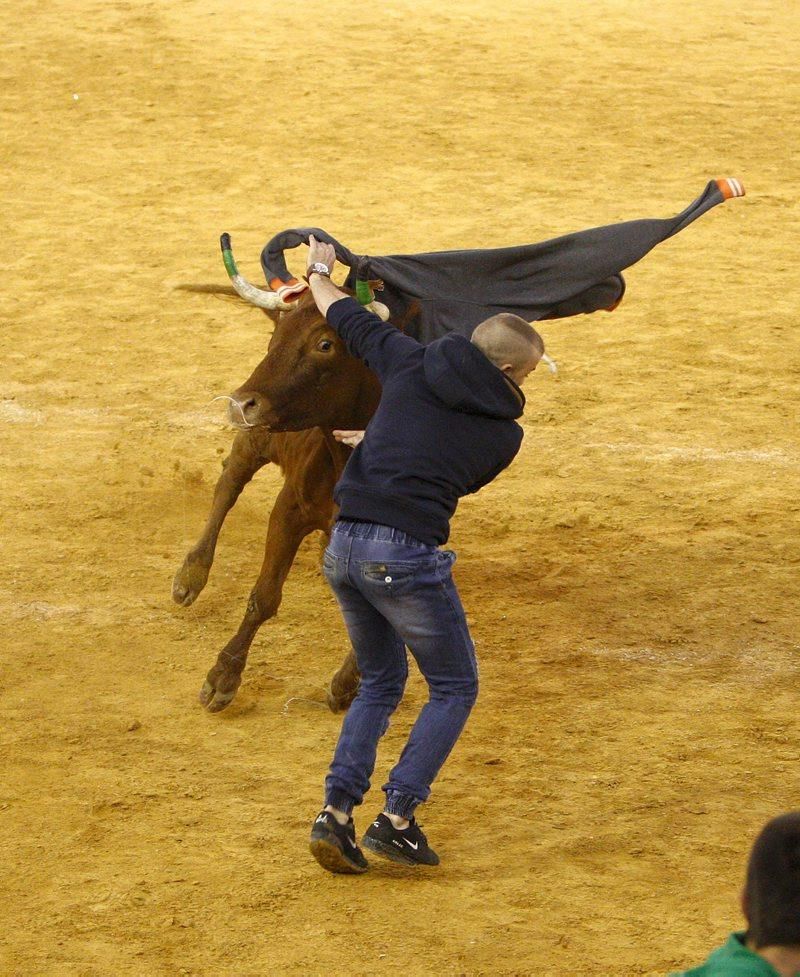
x=289, y=524
x=249, y=452
x=344, y=684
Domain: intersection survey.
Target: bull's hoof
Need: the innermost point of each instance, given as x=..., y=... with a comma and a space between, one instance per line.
x=340, y=700
x=219, y=690
x=189, y=582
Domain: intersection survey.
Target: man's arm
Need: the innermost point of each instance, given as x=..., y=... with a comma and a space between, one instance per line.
x=322, y=288
x=380, y=345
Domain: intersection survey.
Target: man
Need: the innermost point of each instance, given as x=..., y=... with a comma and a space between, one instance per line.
x=771, y=905
x=445, y=427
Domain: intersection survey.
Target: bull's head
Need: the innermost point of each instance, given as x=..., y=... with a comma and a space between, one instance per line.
x=307, y=379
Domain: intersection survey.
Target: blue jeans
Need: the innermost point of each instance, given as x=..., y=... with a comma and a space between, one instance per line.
x=396, y=591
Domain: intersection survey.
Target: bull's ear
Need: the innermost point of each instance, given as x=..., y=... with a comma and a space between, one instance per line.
x=412, y=313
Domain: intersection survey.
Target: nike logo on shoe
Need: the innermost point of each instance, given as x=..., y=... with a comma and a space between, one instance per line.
x=352, y=842
x=411, y=844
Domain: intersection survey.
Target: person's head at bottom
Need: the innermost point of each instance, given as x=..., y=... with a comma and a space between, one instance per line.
x=771, y=895
x=771, y=905
x=511, y=343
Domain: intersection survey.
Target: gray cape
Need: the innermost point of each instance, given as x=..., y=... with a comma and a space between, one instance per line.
x=452, y=291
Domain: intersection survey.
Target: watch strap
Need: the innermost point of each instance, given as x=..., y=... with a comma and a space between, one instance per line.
x=318, y=268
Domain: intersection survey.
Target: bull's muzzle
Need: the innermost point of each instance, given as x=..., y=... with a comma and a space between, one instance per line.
x=245, y=410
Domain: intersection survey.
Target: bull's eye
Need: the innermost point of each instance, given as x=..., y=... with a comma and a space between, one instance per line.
x=325, y=345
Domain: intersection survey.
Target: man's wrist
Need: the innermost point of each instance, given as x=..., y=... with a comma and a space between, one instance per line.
x=324, y=291
x=318, y=268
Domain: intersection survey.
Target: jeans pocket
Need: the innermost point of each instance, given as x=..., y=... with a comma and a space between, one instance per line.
x=444, y=564
x=395, y=577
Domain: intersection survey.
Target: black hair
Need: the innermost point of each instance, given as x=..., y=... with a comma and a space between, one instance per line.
x=772, y=888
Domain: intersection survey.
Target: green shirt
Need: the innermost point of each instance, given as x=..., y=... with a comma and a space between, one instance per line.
x=732, y=960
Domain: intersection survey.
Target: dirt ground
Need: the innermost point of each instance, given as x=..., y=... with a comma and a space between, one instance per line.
x=631, y=582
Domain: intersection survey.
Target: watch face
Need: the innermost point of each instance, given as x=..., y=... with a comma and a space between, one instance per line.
x=322, y=269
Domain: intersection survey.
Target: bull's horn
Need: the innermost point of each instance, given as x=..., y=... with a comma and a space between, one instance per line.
x=364, y=293
x=261, y=297
x=379, y=309
x=549, y=363
x=364, y=290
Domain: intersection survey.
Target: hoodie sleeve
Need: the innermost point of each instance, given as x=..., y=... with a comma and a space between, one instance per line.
x=379, y=344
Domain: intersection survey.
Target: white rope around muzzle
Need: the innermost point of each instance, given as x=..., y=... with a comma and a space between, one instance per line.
x=232, y=400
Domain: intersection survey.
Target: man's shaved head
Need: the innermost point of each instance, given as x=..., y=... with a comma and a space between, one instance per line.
x=511, y=343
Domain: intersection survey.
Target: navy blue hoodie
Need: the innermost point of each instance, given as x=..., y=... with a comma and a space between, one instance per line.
x=444, y=427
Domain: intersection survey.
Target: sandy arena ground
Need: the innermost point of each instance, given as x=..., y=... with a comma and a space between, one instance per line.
x=631, y=582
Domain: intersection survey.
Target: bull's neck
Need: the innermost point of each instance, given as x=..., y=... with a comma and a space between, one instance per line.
x=363, y=406
x=339, y=452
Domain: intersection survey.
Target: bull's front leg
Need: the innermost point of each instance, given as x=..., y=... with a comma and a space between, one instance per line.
x=288, y=525
x=247, y=455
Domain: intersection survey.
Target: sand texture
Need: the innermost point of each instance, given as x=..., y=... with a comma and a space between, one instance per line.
x=631, y=582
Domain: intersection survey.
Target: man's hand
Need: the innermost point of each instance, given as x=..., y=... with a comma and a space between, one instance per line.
x=351, y=438
x=322, y=288
x=320, y=251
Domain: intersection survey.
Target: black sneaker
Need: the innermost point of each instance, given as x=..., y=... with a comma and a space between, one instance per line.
x=334, y=845
x=409, y=846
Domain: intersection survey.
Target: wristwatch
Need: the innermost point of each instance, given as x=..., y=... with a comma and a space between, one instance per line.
x=318, y=268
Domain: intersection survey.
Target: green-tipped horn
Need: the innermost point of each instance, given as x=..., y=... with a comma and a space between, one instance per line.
x=261, y=297
x=364, y=294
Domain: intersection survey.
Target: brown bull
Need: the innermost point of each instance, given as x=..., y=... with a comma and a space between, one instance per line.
x=305, y=387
